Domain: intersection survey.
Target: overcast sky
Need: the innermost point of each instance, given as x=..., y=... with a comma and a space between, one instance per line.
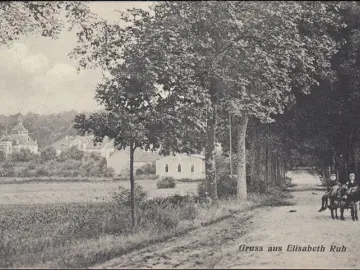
x=37, y=75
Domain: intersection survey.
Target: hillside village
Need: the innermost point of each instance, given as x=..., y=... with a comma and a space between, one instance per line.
x=17, y=139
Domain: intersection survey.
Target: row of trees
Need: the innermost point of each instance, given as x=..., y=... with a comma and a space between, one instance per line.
x=46, y=154
x=322, y=129
x=175, y=73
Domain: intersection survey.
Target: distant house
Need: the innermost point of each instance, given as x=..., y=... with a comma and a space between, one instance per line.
x=18, y=139
x=120, y=160
x=181, y=166
x=86, y=144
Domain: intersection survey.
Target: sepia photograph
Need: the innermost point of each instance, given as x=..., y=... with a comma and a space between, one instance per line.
x=179, y=134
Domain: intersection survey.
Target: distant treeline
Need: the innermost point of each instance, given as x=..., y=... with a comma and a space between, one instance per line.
x=46, y=129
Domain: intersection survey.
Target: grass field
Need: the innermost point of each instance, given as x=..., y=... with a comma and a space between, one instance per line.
x=81, y=192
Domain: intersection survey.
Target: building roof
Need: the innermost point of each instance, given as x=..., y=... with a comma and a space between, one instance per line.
x=5, y=137
x=24, y=140
x=65, y=142
x=19, y=126
x=89, y=141
x=144, y=156
x=184, y=155
x=139, y=155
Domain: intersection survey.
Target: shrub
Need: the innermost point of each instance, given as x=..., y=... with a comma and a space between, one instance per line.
x=26, y=173
x=150, y=213
x=226, y=187
x=201, y=190
x=109, y=172
x=48, y=153
x=258, y=187
x=167, y=182
x=32, y=166
x=2, y=155
x=41, y=172
x=139, y=172
x=23, y=155
x=148, y=169
x=8, y=172
x=122, y=196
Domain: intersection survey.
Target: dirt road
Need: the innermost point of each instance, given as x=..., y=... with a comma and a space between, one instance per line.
x=217, y=246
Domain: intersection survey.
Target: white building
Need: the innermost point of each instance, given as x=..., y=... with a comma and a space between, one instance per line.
x=181, y=166
x=120, y=160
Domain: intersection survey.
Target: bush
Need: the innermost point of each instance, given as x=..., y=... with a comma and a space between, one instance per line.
x=201, y=189
x=258, y=187
x=122, y=196
x=167, y=182
x=148, y=169
x=139, y=172
x=109, y=172
x=2, y=155
x=151, y=214
x=32, y=166
x=26, y=173
x=48, y=153
x=23, y=155
x=8, y=172
x=226, y=187
x=41, y=172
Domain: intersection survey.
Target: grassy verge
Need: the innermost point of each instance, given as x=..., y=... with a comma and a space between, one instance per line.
x=81, y=235
x=57, y=179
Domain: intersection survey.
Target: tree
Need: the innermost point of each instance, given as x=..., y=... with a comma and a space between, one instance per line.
x=23, y=155
x=133, y=117
x=48, y=153
x=243, y=59
x=331, y=138
x=18, y=18
x=238, y=58
x=2, y=156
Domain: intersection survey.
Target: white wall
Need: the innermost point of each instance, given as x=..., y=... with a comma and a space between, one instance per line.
x=186, y=162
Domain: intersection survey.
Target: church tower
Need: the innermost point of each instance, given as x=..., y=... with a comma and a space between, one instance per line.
x=19, y=129
x=21, y=139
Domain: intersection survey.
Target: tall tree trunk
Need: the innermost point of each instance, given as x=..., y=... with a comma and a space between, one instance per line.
x=241, y=169
x=355, y=165
x=132, y=186
x=230, y=147
x=210, y=168
x=267, y=159
x=255, y=160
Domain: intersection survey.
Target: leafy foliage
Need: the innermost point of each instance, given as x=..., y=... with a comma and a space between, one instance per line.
x=18, y=18
x=166, y=182
x=23, y=155
x=48, y=153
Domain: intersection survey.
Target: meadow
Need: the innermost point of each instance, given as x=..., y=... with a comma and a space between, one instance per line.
x=66, y=224
x=42, y=192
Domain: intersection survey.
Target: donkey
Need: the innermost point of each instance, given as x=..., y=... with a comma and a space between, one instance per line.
x=338, y=199
x=344, y=198
x=326, y=197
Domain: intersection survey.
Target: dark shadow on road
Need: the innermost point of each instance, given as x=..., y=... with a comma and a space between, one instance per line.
x=299, y=188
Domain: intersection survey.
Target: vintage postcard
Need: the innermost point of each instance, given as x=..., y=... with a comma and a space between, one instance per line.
x=179, y=134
